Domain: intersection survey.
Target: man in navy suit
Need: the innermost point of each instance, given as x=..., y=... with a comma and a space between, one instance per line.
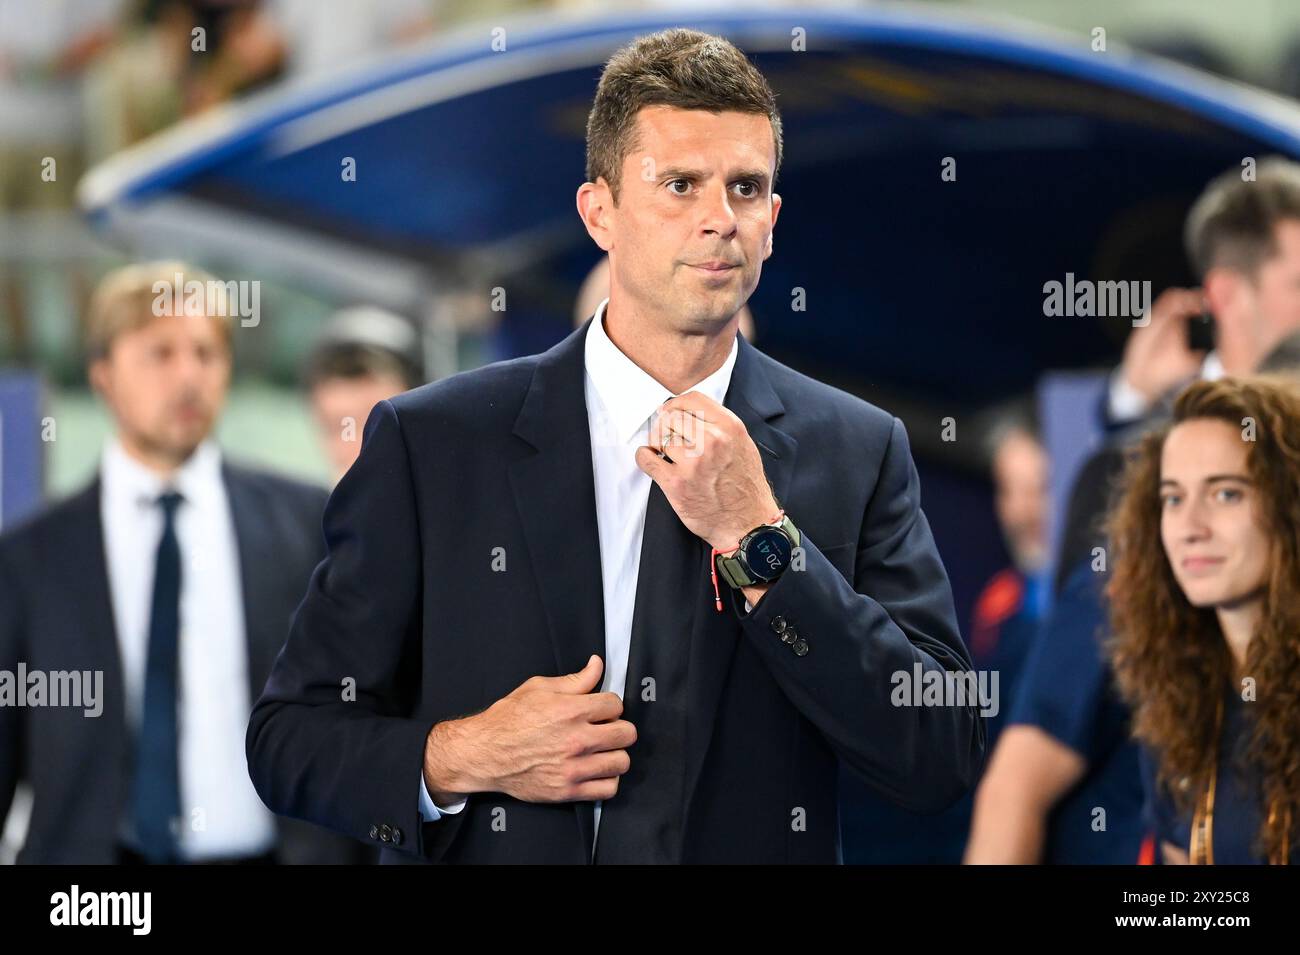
x=169, y=582
x=634, y=599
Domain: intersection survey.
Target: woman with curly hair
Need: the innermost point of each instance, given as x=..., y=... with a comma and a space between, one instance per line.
x=1205, y=617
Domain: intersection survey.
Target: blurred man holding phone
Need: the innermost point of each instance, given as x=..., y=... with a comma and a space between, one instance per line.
x=1243, y=239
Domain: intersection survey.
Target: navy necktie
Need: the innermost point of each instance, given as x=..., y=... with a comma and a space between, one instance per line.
x=643, y=822
x=156, y=801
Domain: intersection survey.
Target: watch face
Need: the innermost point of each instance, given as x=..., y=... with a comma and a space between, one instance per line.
x=767, y=553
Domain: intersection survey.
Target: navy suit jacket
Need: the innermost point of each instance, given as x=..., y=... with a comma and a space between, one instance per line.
x=408, y=610
x=56, y=614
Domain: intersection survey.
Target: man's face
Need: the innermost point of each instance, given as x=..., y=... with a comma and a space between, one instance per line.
x=1210, y=523
x=341, y=407
x=695, y=216
x=1020, y=475
x=165, y=383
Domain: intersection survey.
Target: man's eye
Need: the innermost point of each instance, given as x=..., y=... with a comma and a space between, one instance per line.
x=1229, y=494
x=1168, y=500
x=752, y=186
x=674, y=182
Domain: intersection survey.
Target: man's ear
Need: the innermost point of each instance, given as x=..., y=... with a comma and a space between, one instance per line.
x=595, y=202
x=1225, y=289
x=776, y=211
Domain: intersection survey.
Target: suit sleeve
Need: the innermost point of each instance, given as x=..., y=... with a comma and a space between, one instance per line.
x=332, y=740
x=862, y=642
x=10, y=653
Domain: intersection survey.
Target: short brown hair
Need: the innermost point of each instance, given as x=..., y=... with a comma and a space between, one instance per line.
x=683, y=68
x=124, y=301
x=1232, y=223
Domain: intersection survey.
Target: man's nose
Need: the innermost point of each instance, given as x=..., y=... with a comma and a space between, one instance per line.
x=188, y=366
x=719, y=217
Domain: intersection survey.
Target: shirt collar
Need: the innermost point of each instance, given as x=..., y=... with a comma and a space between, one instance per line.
x=126, y=479
x=629, y=394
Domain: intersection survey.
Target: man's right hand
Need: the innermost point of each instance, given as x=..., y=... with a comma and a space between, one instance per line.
x=550, y=740
x=1156, y=356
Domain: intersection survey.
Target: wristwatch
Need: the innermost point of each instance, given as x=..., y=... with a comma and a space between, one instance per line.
x=763, y=555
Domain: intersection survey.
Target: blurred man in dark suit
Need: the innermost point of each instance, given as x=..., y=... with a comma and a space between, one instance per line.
x=170, y=581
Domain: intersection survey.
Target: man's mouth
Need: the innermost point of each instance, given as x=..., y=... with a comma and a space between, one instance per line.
x=716, y=267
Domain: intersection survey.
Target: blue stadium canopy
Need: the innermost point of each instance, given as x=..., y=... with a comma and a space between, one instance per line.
x=1068, y=160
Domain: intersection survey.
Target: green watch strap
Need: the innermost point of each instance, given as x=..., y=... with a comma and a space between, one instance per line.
x=733, y=569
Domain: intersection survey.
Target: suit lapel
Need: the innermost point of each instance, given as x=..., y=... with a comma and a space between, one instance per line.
x=86, y=568
x=251, y=525
x=555, y=493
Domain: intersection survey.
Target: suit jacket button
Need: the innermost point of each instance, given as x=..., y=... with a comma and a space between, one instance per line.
x=385, y=833
x=374, y=832
x=397, y=836
x=800, y=647
x=778, y=623
x=790, y=636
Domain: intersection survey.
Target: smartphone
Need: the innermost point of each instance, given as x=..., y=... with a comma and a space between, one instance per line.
x=1201, y=332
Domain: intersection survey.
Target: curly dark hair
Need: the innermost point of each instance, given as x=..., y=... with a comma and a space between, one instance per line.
x=1167, y=652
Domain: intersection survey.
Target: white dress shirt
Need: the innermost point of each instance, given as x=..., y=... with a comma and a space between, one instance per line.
x=221, y=812
x=1126, y=404
x=621, y=402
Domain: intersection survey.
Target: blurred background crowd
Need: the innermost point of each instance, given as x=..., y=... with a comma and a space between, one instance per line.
x=80, y=80
x=1121, y=556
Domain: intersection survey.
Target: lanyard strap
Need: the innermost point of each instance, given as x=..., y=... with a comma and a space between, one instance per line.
x=1202, y=845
